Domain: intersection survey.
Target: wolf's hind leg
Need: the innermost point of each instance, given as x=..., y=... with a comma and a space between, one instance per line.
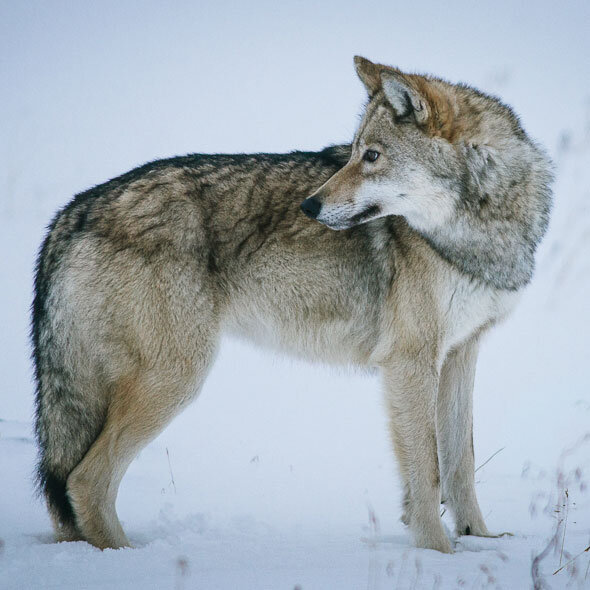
x=455, y=439
x=139, y=410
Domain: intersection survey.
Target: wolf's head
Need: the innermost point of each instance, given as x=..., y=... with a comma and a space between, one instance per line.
x=455, y=163
x=403, y=161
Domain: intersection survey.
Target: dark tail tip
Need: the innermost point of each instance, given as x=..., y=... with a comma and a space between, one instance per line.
x=55, y=491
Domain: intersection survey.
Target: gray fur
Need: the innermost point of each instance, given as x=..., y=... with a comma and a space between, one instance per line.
x=138, y=278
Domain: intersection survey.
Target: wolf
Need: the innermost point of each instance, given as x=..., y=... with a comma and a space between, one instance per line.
x=422, y=236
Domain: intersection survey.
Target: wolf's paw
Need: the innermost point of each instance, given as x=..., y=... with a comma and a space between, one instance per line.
x=438, y=541
x=442, y=545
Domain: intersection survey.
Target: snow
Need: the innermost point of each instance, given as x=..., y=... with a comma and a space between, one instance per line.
x=281, y=474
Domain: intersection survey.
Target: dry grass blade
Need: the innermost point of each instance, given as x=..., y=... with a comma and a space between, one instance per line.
x=489, y=459
x=170, y=468
x=572, y=560
x=567, y=502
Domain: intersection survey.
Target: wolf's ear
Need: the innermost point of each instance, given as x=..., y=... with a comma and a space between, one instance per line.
x=405, y=99
x=368, y=72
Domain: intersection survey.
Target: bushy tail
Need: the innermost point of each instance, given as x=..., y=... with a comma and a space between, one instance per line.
x=67, y=420
x=66, y=427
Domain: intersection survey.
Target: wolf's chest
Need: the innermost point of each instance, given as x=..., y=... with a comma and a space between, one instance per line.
x=471, y=306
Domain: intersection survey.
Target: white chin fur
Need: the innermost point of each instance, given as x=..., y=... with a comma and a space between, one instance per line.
x=339, y=222
x=424, y=212
x=334, y=225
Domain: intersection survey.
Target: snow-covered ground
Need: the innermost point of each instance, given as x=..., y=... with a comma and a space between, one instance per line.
x=281, y=474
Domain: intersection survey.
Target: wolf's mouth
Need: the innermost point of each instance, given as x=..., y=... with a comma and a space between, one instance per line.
x=364, y=215
x=339, y=223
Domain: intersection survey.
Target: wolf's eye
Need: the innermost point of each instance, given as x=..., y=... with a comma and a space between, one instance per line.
x=370, y=155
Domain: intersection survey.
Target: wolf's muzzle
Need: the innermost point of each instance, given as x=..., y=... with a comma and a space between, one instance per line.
x=311, y=207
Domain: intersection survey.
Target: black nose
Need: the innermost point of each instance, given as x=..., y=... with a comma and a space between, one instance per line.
x=311, y=207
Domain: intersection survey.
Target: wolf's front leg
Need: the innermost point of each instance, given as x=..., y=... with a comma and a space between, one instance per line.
x=411, y=388
x=455, y=439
